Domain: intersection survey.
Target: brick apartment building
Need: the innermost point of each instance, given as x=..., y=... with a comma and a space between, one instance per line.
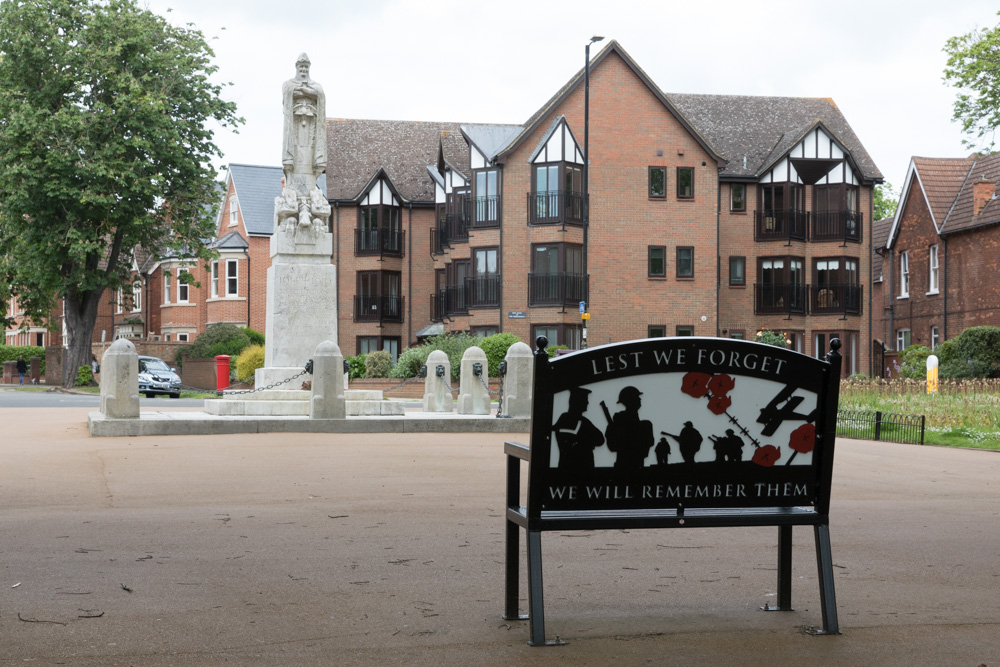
x=937, y=258
x=708, y=215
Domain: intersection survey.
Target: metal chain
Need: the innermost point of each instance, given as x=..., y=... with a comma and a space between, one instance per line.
x=486, y=386
x=501, y=378
x=272, y=385
x=403, y=383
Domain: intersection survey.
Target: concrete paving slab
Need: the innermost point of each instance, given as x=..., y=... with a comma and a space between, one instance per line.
x=376, y=549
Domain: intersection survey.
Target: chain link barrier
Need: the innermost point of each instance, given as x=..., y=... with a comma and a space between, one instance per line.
x=307, y=370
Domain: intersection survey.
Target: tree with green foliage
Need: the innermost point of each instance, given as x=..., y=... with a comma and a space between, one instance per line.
x=104, y=147
x=974, y=353
x=884, y=201
x=974, y=69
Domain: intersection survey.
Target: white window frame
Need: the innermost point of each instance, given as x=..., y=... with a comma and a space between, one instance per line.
x=183, y=289
x=232, y=277
x=935, y=337
x=904, y=274
x=166, y=287
x=119, y=301
x=933, y=266
x=234, y=210
x=182, y=337
x=215, y=279
x=137, y=296
x=903, y=336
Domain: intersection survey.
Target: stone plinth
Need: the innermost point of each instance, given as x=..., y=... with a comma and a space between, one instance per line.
x=327, y=399
x=120, y=381
x=473, y=396
x=518, y=382
x=437, y=396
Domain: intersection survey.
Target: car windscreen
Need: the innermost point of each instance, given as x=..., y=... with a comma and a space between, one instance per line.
x=156, y=365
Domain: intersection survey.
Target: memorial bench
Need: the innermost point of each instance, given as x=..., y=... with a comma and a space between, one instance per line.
x=723, y=411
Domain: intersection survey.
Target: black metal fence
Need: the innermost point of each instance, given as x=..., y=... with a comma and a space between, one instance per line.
x=885, y=426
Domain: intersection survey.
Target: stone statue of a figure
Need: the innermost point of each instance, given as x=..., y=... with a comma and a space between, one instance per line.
x=303, y=149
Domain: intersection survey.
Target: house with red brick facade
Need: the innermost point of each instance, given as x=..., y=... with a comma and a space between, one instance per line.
x=939, y=255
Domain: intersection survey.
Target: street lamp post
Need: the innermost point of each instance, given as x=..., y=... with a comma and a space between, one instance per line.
x=586, y=172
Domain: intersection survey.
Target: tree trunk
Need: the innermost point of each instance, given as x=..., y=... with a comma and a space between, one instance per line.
x=81, y=316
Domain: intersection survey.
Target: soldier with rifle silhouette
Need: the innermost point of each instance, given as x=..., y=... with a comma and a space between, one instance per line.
x=628, y=436
x=689, y=440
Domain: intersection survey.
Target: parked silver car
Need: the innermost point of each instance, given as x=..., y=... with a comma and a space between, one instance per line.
x=155, y=377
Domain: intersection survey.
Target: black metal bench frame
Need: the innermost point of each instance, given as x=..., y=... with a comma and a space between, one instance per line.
x=535, y=520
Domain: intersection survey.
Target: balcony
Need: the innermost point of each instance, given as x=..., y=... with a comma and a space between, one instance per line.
x=379, y=242
x=378, y=308
x=835, y=299
x=487, y=212
x=779, y=299
x=555, y=289
x=483, y=291
x=780, y=225
x=837, y=226
x=555, y=208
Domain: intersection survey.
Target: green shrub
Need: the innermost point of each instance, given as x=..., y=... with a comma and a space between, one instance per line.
x=84, y=376
x=974, y=353
x=256, y=337
x=913, y=362
x=496, y=347
x=218, y=339
x=377, y=364
x=409, y=362
x=551, y=349
x=250, y=359
x=775, y=338
x=356, y=365
x=15, y=352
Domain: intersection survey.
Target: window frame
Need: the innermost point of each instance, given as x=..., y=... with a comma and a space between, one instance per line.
x=563, y=333
x=935, y=337
x=742, y=261
x=650, y=273
x=649, y=182
x=904, y=275
x=933, y=268
x=652, y=329
x=732, y=198
x=166, y=287
x=137, y=295
x=214, y=289
x=903, y=334
x=497, y=213
x=677, y=176
x=234, y=210
x=183, y=288
x=684, y=330
x=232, y=277
x=689, y=275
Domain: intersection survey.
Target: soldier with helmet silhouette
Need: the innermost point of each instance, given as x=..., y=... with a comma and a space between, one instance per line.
x=628, y=436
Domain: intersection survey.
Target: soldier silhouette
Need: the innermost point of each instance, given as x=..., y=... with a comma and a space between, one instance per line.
x=728, y=448
x=628, y=436
x=689, y=440
x=576, y=436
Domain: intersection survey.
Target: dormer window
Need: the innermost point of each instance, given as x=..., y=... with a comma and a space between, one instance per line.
x=379, y=231
x=486, y=198
x=556, y=195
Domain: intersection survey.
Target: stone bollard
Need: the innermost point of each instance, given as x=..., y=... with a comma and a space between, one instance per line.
x=437, y=396
x=120, y=381
x=473, y=397
x=519, y=381
x=327, y=399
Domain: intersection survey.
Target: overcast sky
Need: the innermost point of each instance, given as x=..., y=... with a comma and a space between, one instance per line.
x=498, y=62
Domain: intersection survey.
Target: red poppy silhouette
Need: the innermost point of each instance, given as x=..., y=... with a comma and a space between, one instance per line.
x=719, y=404
x=696, y=384
x=766, y=456
x=803, y=439
x=721, y=384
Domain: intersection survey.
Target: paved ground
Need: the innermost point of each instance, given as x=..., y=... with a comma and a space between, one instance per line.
x=313, y=549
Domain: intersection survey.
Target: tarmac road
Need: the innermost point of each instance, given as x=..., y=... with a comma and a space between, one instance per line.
x=312, y=549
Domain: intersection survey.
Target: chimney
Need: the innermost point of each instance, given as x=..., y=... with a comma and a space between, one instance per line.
x=982, y=192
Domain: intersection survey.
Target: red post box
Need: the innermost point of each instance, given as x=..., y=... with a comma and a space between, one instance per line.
x=221, y=372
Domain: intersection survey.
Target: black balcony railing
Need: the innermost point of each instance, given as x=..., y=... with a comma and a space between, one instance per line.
x=379, y=242
x=486, y=212
x=555, y=208
x=770, y=298
x=835, y=299
x=555, y=289
x=836, y=226
x=378, y=308
x=457, y=226
x=437, y=247
x=780, y=225
x=483, y=291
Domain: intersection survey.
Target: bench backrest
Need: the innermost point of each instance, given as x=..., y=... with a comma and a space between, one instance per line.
x=677, y=423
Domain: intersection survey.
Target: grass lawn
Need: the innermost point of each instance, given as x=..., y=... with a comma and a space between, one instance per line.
x=961, y=414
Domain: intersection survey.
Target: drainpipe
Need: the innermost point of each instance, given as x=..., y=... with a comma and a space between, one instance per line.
x=248, y=285
x=500, y=261
x=718, y=254
x=944, y=282
x=871, y=277
x=336, y=268
x=892, y=298
x=409, y=277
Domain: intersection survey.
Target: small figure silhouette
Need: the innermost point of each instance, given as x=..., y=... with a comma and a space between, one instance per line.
x=576, y=436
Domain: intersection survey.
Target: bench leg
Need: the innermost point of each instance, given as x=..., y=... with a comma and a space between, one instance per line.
x=511, y=583
x=536, y=604
x=784, y=571
x=827, y=596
